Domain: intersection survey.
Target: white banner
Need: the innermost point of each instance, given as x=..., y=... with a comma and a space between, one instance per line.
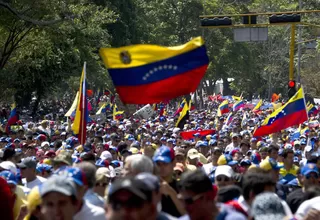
x=145, y=112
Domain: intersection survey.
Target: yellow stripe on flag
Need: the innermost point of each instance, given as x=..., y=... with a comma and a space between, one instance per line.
x=143, y=54
x=73, y=106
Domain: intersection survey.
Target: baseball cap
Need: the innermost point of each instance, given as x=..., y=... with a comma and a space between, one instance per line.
x=255, y=158
x=309, y=168
x=105, y=155
x=179, y=166
x=104, y=171
x=296, y=143
x=58, y=184
x=303, y=142
x=116, y=163
x=193, y=154
x=163, y=154
x=75, y=173
x=9, y=177
x=8, y=165
x=134, y=150
x=245, y=162
x=43, y=167
x=152, y=182
x=201, y=144
x=179, y=151
x=27, y=163
x=133, y=185
x=45, y=143
x=113, y=148
x=102, y=163
x=63, y=157
x=224, y=170
x=50, y=153
x=41, y=137
x=226, y=159
x=17, y=140
x=269, y=164
x=235, y=135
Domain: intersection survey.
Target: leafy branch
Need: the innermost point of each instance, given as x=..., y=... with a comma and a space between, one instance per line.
x=34, y=21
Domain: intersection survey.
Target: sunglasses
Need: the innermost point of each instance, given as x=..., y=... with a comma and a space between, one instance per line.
x=312, y=175
x=131, y=203
x=102, y=184
x=190, y=200
x=222, y=178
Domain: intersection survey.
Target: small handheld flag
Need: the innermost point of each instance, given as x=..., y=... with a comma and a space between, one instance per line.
x=13, y=118
x=184, y=116
x=258, y=105
x=142, y=74
x=223, y=108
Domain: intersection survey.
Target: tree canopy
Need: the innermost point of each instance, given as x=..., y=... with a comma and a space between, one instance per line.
x=43, y=44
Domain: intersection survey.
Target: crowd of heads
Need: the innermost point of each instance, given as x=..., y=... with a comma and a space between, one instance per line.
x=145, y=169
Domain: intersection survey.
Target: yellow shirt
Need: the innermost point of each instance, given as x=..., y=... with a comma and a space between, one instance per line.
x=289, y=174
x=20, y=201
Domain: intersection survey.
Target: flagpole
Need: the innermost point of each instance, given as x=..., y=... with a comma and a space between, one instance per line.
x=83, y=103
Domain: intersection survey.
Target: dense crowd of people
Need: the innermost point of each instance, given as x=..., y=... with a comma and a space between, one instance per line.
x=144, y=169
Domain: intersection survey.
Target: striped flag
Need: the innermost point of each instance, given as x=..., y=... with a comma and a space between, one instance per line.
x=79, y=126
x=13, y=118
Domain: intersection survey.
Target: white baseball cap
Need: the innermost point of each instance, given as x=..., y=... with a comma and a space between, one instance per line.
x=8, y=165
x=224, y=170
x=105, y=155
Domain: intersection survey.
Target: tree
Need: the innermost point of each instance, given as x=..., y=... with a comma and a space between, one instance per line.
x=38, y=59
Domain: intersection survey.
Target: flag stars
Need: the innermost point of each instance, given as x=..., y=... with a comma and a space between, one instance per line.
x=158, y=68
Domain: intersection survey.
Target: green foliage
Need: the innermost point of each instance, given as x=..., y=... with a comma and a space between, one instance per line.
x=43, y=44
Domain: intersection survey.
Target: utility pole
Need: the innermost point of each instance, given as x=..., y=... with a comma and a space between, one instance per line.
x=299, y=47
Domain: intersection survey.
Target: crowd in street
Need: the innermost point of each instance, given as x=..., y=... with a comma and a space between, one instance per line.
x=139, y=169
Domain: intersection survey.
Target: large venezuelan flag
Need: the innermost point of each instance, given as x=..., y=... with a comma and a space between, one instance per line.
x=145, y=74
x=13, y=117
x=223, y=108
x=294, y=112
x=79, y=126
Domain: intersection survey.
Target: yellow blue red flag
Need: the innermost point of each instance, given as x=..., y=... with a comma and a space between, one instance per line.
x=142, y=74
x=13, y=118
x=294, y=112
x=79, y=126
x=223, y=108
x=116, y=113
x=258, y=105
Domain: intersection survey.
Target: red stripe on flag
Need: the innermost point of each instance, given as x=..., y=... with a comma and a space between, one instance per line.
x=282, y=123
x=164, y=89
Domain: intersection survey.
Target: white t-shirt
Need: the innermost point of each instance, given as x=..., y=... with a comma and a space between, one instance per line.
x=208, y=168
x=36, y=182
x=304, y=208
x=90, y=212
